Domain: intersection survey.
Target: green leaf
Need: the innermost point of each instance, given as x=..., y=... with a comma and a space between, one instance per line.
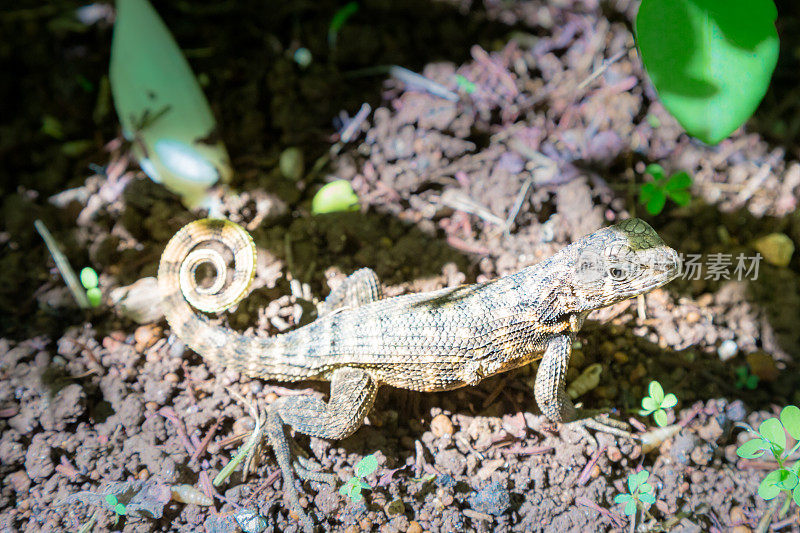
x=656, y=392
x=656, y=203
x=636, y=479
x=647, y=191
x=333, y=197
x=796, y=495
x=670, y=401
x=788, y=479
x=790, y=417
x=649, y=499
x=366, y=466
x=111, y=500
x=622, y=498
x=752, y=449
x=649, y=404
x=347, y=488
x=681, y=198
x=772, y=430
x=710, y=60
x=160, y=104
x=355, y=492
x=660, y=418
x=751, y=382
x=88, y=278
x=678, y=181
x=630, y=508
x=120, y=509
x=95, y=296
x=356, y=497
x=364, y=485
x=768, y=488
x=644, y=488
x=655, y=170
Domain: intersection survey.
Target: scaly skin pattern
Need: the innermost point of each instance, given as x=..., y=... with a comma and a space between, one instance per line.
x=432, y=341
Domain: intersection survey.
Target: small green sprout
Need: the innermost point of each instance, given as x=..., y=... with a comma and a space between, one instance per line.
x=771, y=437
x=641, y=493
x=118, y=508
x=333, y=197
x=89, y=281
x=353, y=487
x=338, y=20
x=744, y=379
x=653, y=195
x=657, y=403
x=464, y=84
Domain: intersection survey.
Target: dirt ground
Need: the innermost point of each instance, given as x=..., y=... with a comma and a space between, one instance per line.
x=554, y=125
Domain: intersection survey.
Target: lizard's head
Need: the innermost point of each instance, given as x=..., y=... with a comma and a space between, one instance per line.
x=619, y=262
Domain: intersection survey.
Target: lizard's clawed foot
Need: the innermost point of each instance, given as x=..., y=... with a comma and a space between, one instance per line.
x=307, y=470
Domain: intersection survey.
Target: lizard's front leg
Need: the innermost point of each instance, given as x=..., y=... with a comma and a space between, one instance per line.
x=552, y=397
x=549, y=389
x=352, y=394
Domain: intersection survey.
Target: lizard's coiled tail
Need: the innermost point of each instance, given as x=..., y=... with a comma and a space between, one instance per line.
x=209, y=241
x=229, y=249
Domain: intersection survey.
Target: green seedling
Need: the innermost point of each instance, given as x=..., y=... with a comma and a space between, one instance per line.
x=710, y=61
x=744, y=379
x=338, y=21
x=118, y=508
x=653, y=195
x=657, y=403
x=641, y=494
x=771, y=437
x=353, y=487
x=89, y=281
x=334, y=197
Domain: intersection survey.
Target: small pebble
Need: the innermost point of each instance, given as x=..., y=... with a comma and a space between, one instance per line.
x=727, y=350
x=777, y=249
x=441, y=426
x=143, y=474
x=19, y=481
x=414, y=527
x=692, y=317
x=621, y=357
x=494, y=499
x=171, y=377
x=395, y=507
x=243, y=425
x=763, y=365
x=614, y=454
x=151, y=406
x=270, y=397
x=146, y=336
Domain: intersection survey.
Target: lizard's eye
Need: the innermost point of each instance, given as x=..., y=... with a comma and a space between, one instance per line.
x=616, y=273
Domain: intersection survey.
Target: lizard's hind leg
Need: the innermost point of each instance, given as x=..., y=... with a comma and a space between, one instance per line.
x=361, y=287
x=352, y=394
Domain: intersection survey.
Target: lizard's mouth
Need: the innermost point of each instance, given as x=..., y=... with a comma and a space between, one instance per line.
x=667, y=265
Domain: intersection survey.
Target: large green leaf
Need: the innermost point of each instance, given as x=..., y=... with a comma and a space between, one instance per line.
x=710, y=60
x=790, y=417
x=161, y=106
